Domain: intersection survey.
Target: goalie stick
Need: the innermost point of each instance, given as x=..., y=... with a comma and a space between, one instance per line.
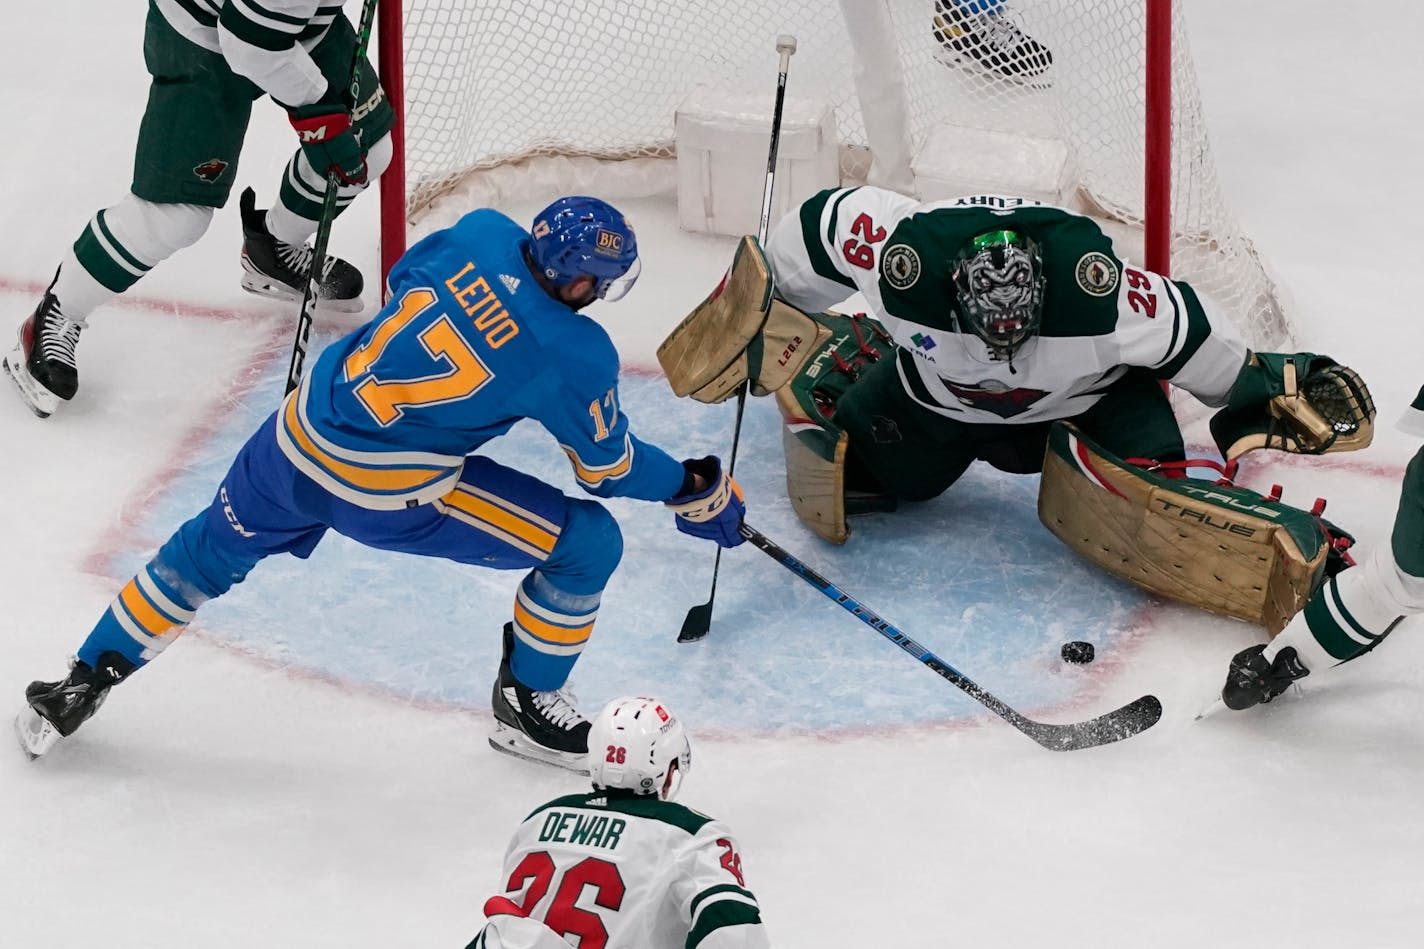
x=328, y=215
x=698, y=620
x=1134, y=717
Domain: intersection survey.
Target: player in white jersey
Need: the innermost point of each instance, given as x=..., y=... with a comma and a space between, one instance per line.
x=1353, y=611
x=1005, y=331
x=622, y=866
x=210, y=60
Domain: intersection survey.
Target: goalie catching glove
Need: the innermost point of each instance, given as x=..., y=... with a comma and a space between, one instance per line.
x=1299, y=402
x=713, y=512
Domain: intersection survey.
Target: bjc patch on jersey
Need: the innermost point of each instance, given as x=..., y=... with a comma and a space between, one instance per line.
x=1096, y=273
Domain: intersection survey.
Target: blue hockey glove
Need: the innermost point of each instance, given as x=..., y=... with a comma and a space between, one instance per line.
x=713, y=512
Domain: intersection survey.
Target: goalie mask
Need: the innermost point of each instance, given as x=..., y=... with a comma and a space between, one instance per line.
x=638, y=745
x=998, y=284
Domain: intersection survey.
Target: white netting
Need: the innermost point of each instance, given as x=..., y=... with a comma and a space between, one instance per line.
x=490, y=82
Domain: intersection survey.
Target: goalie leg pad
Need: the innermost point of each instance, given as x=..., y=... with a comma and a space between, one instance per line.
x=1221, y=548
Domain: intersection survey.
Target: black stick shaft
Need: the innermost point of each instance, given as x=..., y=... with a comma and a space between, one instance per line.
x=698, y=621
x=328, y=215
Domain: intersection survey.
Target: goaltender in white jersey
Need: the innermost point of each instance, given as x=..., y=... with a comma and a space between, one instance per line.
x=622, y=866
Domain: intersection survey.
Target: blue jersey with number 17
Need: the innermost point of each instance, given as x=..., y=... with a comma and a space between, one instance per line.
x=468, y=345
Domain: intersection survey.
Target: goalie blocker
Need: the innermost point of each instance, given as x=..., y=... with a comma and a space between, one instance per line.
x=1217, y=546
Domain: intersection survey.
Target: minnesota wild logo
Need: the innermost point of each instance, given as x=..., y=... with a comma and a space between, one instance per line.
x=211, y=170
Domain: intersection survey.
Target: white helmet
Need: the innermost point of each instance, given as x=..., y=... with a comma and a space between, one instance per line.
x=638, y=745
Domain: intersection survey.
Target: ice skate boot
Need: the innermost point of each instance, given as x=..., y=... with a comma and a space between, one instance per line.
x=43, y=364
x=57, y=709
x=990, y=42
x=1252, y=680
x=539, y=726
x=272, y=268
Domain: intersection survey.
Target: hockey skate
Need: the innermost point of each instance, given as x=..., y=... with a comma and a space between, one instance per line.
x=57, y=709
x=272, y=268
x=991, y=43
x=1252, y=680
x=43, y=364
x=538, y=726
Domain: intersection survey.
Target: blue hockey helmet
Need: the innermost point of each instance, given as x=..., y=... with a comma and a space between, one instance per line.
x=579, y=236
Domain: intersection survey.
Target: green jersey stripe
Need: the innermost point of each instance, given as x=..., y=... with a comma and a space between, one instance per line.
x=719, y=915
x=1345, y=615
x=118, y=250
x=716, y=890
x=1197, y=325
x=1328, y=632
x=264, y=16
x=199, y=11
x=253, y=34
x=815, y=243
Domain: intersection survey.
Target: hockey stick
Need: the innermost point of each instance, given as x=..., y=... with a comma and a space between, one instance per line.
x=1134, y=717
x=698, y=620
x=328, y=215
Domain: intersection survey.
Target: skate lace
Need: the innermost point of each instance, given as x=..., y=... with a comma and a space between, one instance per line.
x=58, y=338
x=298, y=258
x=558, y=708
x=1002, y=31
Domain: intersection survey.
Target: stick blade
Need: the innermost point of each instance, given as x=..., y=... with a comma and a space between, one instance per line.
x=696, y=624
x=1133, y=718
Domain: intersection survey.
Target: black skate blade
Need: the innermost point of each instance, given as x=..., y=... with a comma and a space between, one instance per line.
x=255, y=284
x=513, y=742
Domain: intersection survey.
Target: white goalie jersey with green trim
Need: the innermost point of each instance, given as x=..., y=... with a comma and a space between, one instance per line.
x=619, y=871
x=1101, y=316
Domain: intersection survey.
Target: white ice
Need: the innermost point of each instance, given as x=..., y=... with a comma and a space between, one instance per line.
x=307, y=767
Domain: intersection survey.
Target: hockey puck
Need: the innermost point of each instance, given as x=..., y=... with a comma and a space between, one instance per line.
x=1078, y=652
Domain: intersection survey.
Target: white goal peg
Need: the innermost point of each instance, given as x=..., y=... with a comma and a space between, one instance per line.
x=786, y=44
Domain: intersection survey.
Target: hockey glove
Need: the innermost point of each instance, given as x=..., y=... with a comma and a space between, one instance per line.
x=1297, y=402
x=713, y=513
x=327, y=140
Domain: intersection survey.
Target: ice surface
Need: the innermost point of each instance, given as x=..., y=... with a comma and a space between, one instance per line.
x=308, y=767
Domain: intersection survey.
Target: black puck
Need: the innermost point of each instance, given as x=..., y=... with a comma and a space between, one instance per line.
x=1078, y=652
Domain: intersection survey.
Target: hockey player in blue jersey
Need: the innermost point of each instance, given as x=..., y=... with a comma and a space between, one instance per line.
x=380, y=443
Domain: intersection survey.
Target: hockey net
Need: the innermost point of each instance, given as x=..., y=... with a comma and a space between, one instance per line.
x=490, y=84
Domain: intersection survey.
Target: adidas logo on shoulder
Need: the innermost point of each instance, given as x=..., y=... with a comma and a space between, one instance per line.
x=510, y=283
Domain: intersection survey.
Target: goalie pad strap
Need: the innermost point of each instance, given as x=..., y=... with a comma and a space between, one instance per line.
x=1221, y=548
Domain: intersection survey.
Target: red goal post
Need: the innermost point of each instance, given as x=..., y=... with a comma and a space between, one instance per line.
x=486, y=84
